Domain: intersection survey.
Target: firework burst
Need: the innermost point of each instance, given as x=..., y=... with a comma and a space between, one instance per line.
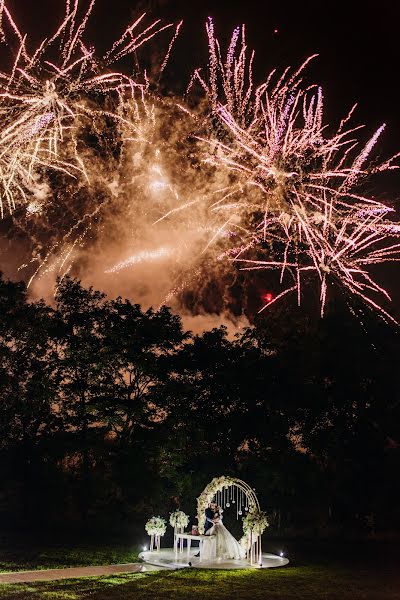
x=46, y=101
x=294, y=198
x=252, y=179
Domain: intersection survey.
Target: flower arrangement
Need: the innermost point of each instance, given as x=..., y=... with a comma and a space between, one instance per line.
x=217, y=484
x=179, y=520
x=156, y=526
x=255, y=522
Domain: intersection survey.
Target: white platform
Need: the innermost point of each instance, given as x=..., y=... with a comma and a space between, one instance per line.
x=167, y=558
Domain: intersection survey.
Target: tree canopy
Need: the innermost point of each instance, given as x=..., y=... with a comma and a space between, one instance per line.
x=110, y=412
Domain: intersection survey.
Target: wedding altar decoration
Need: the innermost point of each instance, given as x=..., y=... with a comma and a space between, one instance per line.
x=254, y=525
x=156, y=528
x=207, y=495
x=228, y=493
x=179, y=520
x=235, y=494
x=255, y=522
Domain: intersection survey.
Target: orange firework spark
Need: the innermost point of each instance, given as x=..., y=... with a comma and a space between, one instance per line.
x=43, y=103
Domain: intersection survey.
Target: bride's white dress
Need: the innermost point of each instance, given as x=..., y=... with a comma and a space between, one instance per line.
x=227, y=547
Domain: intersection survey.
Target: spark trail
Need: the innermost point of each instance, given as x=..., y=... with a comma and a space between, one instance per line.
x=295, y=190
x=45, y=102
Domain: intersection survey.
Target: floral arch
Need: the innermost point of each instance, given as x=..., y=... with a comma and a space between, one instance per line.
x=227, y=491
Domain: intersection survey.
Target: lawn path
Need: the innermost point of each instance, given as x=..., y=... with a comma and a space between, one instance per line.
x=74, y=572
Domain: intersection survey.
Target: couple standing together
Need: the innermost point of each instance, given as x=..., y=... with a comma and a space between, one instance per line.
x=227, y=547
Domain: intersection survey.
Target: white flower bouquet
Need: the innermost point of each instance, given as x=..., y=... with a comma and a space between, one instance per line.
x=255, y=522
x=156, y=526
x=179, y=520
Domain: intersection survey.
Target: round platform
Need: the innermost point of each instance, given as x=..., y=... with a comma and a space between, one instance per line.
x=167, y=559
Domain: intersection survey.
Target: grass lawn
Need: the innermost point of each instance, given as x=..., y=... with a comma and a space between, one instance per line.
x=316, y=572
x=28, y=554
x=289, y=583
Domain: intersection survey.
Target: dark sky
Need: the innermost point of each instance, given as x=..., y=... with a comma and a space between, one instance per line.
x=358, y=42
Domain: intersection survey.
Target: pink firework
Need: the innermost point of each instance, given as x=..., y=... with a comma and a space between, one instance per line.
x=295, y=189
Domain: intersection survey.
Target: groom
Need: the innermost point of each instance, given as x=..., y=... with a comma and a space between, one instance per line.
x=210, y=516
x=210, y=519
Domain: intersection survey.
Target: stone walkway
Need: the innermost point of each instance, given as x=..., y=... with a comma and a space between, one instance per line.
x=73, y=572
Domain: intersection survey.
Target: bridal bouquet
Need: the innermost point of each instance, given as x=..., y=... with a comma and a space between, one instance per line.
x=255, y=522
x=156, y=526
x=179, y=520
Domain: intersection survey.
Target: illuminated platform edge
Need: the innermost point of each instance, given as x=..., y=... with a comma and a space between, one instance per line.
x=167, y=558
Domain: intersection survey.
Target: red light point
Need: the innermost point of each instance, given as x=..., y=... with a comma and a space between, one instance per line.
x=267, y=297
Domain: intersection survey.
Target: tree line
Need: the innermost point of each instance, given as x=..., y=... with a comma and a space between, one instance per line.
x=110, y=413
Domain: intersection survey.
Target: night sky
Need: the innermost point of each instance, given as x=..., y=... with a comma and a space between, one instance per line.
x=357, y=41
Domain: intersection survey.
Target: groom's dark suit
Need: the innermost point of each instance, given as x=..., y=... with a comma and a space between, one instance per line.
x=209, y=522
x=209, y=519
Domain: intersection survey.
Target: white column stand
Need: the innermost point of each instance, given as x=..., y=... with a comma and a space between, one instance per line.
x=260, y=559
x=180, y=530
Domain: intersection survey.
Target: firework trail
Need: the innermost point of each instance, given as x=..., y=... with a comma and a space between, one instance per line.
x=139, y=257
x=45, y=102
x=295, y=197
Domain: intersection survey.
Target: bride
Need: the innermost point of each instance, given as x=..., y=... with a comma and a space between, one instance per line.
x=227, y=547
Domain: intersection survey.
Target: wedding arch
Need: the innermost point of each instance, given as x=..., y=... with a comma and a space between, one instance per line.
x=232, y=492
x=226, y=492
